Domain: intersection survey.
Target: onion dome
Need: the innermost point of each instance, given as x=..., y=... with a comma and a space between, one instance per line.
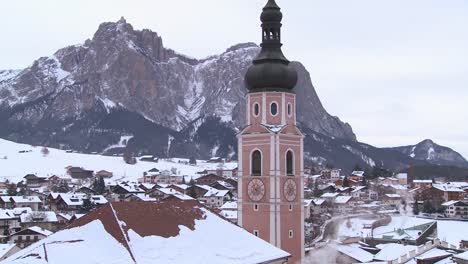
x=271, y=71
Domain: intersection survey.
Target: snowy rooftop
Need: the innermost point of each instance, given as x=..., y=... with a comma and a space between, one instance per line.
x=355, y=252
x=141, y=232
x=392, y=251
x=329, y=195
x=229, y=206
x=38, y=216
x=26, y=199
x=342, y=199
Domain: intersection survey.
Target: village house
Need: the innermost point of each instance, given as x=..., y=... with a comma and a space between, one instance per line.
x=331, y=174
x=162, y=193
x=229, y=211
x=121, y=190
x=5, y=202
x=182, y=188
x=43, y=219
x=209, y=179
x=72, y=202
x=169, y=177
x=9, y=222
x=329, y=197
x=32, y=202
x=343, y=204
x=456, y=209
x=80, y=173
x=215, y=198
x=34, y=181
x=151, y=176
x=392, y=199
x=357, y=176
x=149, y=158
x=29, y=236
x=104, y=174
x=359, y=193
x=319, y=206
x=402, y=178
x=448, y=192
x=422, y=184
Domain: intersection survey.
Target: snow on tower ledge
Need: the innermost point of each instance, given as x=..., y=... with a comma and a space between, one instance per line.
x=145, y=232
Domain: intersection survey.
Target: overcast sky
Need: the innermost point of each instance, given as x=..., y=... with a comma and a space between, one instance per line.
x=396, y=70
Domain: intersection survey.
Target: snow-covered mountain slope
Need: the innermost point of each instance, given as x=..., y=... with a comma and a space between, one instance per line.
x=17, y=160
x=433, y=153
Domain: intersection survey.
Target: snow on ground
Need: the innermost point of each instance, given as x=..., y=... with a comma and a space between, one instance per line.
x=355, y=227
x=17, y=165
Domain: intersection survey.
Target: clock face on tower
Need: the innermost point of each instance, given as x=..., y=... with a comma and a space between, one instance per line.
x=256, y=190
x=290, y=190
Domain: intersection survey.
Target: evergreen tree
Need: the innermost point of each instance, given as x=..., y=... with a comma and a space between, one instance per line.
x=192, y=193
x=416, y=207
x=357, y=167
x=428, y=208
x=191, y=182
x=364, y=181
x=99, y=186
x=317, y=191
x=345, y=182
x=192, y=161
x=86, y=206
x=183, y=180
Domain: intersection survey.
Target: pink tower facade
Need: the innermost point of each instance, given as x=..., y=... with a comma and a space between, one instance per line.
x=270, y=147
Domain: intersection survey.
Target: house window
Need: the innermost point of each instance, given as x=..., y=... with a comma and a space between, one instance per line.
x=256, y=233
x=255, y=207
x=274, y=109
x=289, y=163
x=291, y=234
x=256, y=109
x=256, y=163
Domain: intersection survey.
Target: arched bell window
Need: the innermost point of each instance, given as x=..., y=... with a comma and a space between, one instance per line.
x=289, y=163
x=256, y=163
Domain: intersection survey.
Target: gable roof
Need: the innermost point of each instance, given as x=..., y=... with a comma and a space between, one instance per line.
x=145, y=232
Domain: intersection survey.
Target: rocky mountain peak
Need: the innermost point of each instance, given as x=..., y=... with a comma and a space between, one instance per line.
x=428, y=150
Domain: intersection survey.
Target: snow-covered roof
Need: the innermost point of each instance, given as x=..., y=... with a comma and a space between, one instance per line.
x=6, y=214
x=229, y=214
x=449, y=203
x=41, y=231
x=145, y=233
x=393, y=195
x=358, y=173
x=216, y=193
x=342, y=199
x=392, y=251
x=447, y=188
x=329, y=195
x=318, y=201
x=25, y=199
x=422, y=181
x=144, y=197
x=433, y=253
x=402, y=175
x=358, y=188
x=38, y=216
x=131, y=187
x=5, y=248
x=229, y=206
x=355, y=252
x=463, y=256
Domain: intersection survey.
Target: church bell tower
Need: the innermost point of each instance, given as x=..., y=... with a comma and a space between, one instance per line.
x=271, y=153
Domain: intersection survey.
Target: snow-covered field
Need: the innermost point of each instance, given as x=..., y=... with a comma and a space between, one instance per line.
x=15, y=165
x=450, y=231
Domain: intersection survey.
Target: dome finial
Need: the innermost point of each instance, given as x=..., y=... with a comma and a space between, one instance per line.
x=271, y=69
